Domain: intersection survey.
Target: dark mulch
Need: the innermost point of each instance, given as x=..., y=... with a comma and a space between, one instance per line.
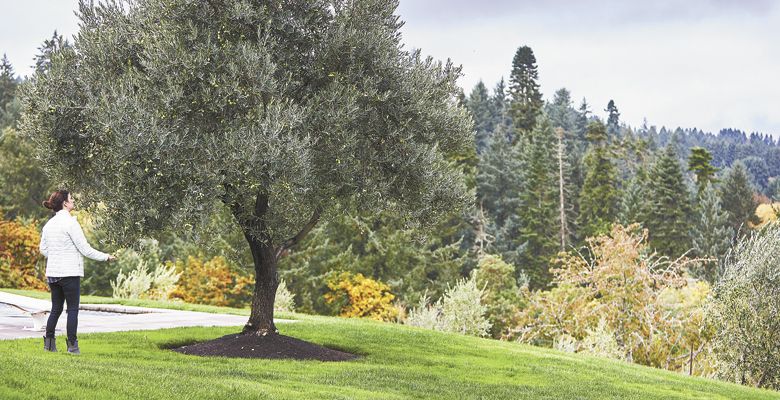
x=272, y=346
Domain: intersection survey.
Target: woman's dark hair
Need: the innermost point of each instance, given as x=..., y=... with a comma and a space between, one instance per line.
x=56, y=199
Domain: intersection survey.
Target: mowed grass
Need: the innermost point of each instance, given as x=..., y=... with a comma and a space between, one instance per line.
x=397, y=362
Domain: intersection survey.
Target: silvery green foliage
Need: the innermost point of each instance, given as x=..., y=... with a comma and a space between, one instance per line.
x=601, y=342
x=284, y=299
x=462, y=310
x=425, y=315
x=745, y=309
x=565, y=343
x=142, y=283
x=280, y=110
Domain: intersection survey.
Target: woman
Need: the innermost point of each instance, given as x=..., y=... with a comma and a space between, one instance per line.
x=64, y=246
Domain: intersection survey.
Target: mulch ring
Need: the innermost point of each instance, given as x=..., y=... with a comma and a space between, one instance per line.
x=273, y=346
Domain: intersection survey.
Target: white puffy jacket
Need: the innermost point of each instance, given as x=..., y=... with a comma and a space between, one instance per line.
x=64, y=246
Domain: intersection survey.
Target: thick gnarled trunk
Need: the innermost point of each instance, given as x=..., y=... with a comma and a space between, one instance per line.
x=261, y=317
x=265, y=256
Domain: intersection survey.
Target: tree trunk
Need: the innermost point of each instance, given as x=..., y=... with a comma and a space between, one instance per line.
x=261, y=317
x=562, y=201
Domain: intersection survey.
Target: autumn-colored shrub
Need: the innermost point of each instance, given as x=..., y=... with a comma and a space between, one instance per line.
x=212, y=282
x=361, y=297
x=623, y=302
x=19, y=256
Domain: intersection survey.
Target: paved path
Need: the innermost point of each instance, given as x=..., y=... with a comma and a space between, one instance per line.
x=14, y=324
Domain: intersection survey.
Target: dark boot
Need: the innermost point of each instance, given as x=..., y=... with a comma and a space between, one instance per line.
x=73, y=347
x=50, y=344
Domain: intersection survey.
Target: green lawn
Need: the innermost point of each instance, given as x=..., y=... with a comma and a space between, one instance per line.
x=398, y=362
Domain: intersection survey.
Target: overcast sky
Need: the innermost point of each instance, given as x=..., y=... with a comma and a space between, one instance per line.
x=691, y=63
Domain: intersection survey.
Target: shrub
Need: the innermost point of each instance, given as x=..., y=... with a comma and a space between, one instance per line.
x=142, y=283
x=745, y=309
x=623, y=303
x=460, y=310
x=501, y=295
x=212, y=282
x=361, y=297
x=424, y=315
x=284, y=299
x=19, y=255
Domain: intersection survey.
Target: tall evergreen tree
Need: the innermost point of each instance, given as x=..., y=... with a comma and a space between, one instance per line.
x=499, y=178
x=526, y=99
x=699, y=164
x=539, y=204
x=599, y=199
x=712, y=233
x=668, y=219
x=8, y=82
x=479, y=104
x=500, y=107
x=736, y=196
x=613, y=119
x=49, y=47
x=634, y=199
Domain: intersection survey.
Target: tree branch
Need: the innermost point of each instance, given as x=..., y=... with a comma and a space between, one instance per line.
x=315, y=217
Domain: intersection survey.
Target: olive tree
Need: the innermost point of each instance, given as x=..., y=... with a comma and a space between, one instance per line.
x=285, y=111
x=745, y=310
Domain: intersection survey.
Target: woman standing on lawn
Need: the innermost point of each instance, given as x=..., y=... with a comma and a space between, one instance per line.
x=64, y=246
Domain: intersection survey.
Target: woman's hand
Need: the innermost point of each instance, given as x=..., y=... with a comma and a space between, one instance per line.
x=111, y=257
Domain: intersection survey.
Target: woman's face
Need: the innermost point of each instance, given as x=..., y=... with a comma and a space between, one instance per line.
x=69, y=204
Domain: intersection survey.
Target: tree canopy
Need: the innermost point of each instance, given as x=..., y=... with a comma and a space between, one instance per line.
x=283, y=111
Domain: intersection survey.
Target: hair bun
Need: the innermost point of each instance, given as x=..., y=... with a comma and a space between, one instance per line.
x=47, y=204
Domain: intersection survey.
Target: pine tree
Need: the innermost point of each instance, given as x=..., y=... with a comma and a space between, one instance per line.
x=634, y=200
x=49, y=47
x=599, y=199
x=499, y=178
x=699, y=164
x=8, y=82
x=670, y=210
x=500, y=107
x=712, y=234
x=613, y=120
x=736, y=196
x=539, y=204
x=526, y=99
x=480, y=106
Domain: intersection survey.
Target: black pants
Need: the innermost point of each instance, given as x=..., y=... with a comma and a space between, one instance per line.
x=66, y=289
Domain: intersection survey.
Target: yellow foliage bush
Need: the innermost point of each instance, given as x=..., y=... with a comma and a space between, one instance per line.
x=212, y=282
x=19, y=256
x=767, y=213
x=361, y=297
x=623, y=301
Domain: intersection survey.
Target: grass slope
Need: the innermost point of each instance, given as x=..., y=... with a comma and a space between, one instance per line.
x=398, y=362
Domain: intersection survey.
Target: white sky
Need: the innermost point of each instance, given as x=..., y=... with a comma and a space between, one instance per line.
x=709, y=64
